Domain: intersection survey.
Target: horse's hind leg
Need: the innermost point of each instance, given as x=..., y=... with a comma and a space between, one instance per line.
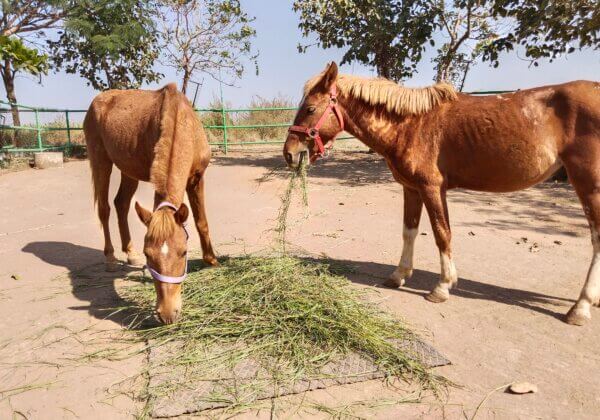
x=413, y=206
x=587, y=185
x=101, y=166
x=195, y=190
x=122, y=202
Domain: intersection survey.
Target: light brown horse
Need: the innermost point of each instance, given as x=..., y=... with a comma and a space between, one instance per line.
x=434, y=139
x=151, y=136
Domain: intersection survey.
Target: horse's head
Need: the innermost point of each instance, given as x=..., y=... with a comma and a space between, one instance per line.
x=165, y=247
x=318, y=121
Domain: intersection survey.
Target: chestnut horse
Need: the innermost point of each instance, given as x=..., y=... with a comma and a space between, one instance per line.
x=151, y=136
x=434, y=139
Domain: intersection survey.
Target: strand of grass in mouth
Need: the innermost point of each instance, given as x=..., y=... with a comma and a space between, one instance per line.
x=293, y=315
x=286, y=200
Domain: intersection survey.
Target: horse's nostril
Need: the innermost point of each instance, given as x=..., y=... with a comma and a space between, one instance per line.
x=289, y=158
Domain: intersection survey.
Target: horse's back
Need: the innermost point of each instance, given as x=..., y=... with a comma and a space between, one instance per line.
x=127, y=124
x=509, y=141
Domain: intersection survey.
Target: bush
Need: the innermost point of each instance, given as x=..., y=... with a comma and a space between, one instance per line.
x=267, y=117
x=242, y=135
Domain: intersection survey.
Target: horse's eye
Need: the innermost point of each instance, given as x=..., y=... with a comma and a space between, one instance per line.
x=311, y=109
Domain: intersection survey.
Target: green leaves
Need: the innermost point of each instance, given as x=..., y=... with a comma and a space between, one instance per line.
x=113, y=44
x=389, y=35
x=546, y=28
x=392, y=35
x=22, y=58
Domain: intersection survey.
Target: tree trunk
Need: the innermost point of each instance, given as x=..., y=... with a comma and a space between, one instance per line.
x=443, y=70
x=464, y=77
x=185, y=81
x=8, y=77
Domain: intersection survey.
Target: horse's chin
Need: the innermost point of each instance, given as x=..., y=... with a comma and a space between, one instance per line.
x=168, y=316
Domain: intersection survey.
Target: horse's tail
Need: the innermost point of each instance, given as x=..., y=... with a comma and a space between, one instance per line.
x=93, y=146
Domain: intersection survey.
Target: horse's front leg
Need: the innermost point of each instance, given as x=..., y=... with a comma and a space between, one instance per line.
x=122, y=203
x=413, y=206
x=434, y=198
x=195, y=190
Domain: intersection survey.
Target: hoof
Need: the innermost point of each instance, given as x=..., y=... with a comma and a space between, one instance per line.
x=212, y=261
x=578, y=316
x=438, y=295
x=393, y=283
x=398, y=277
x=135, y=260
x=112, y=266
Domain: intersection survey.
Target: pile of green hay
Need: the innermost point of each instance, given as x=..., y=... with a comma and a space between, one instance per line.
x=293, y=314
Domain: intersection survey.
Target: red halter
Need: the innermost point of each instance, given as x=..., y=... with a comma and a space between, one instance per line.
x=313, y=133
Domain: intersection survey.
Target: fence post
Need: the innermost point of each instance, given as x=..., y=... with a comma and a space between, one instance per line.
x=68, y=133
x=39, y=133
x=223, y=117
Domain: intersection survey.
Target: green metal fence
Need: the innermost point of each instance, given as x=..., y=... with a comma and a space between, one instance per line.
x=218, y=120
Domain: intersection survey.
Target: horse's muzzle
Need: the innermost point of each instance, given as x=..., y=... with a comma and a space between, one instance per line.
x=294, y=160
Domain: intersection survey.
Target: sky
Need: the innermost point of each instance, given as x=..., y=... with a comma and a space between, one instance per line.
x=283, y=71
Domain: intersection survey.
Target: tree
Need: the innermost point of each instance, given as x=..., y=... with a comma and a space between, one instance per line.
x=15, y=57
x=467, y=27
x=389, y=35
x=392, y=35
x=546, y=28
x=25, y=19
x=206, y=36
x=111, y=43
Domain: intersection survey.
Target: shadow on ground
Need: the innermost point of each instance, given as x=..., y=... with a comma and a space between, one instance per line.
x=554, y=204
x=422, y=282
x=92, y=283
x=350, y=169
x=96, y=286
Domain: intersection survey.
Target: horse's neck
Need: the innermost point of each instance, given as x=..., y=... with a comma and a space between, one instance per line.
x=376, y=128
x=171, y=170
x=174, y=190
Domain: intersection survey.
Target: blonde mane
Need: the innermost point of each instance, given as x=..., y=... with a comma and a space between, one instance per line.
x=396, y=98
x=162, y=226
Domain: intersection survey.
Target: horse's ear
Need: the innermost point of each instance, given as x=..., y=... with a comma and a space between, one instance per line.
x=182, y=214
x=330, y=76
x=143, y=214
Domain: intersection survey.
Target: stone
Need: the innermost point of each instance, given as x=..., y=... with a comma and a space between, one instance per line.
x=45, y=160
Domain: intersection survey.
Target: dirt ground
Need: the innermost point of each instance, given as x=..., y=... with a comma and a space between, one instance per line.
x=502, y=324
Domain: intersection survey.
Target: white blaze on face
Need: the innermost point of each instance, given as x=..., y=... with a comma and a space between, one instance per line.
x=164, y=249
